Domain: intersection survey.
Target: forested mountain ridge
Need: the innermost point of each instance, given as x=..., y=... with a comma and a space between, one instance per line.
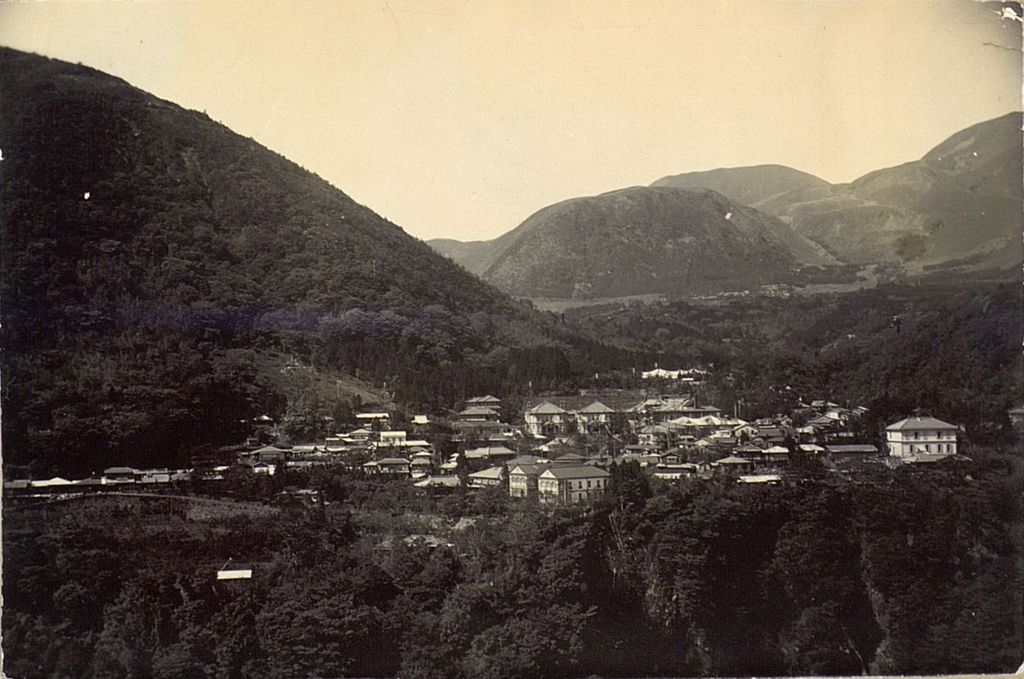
x=956, y=209
x=957, y=206
x=753, y=185
x=642, y=240
x=154, y=263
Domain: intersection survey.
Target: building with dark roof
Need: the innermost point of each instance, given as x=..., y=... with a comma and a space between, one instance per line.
x=548, y=419
x=523, y=479
x=571, y=484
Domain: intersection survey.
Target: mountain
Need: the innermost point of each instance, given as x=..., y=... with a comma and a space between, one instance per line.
x=754, y=186
x=164, y=279
x=958, y=207
x=644, y=240
x=956, y=210
x=473, y=255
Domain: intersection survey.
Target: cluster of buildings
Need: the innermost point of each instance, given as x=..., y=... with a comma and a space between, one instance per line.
x=539, y=457
x=111, y=478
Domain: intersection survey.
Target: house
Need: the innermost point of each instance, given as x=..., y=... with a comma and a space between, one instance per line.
x=594, y=418
x=55, y=482
x=661, y=410
x=744, y=431
x=420, y=420
x=487, y=401
x=482, y=430
x=421, y=466
x=641, y=456
x=776, y=455
x=236, y=572
x=772, y=434
x=119, y=475
x=750, y=452
x=373, y=420
x=491, y=477
x=570, y=484
x=394, y=465
x=360, y=435
x=391, y=438
x=920, y=434
x=439, y=485
x=267, y=454
x=655, y=436
x=489, y=455
x=672, y=472
x=822, y=423
x=674, y=456
x=478, y=414
x=735, y=465
x=851, y=449
x=523, y=479
x=258, y=467
x=769, y=479
x=547, y=420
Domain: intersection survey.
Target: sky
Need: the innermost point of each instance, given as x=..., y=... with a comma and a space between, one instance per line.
x=458, y=119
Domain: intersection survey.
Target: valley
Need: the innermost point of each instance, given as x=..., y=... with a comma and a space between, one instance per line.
x=736, y=422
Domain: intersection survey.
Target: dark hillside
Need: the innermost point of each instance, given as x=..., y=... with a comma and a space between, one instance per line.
x=154, y=264
x=915, y=575
x=953, y=350
x=957, y=208
x=647, y=240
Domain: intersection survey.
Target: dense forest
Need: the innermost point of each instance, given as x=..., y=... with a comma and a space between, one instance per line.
x=950, y=347
x=160, y=274
x=159, y=271
x=916, y=572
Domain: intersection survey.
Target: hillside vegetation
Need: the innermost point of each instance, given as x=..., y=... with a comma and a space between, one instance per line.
x=643, y=240
x=955, y=210
x=950, y=349
x=914, y=575
x=155, y=264
x=959, y=206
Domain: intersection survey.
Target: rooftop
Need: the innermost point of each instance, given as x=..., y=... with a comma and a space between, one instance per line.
x=546, y=408
x=489, y=473
x=489, y=451
x=852, y=448
x=478, y=410
x=528, y=469
x=919, y=422
x=596, y=408
x=576, y=472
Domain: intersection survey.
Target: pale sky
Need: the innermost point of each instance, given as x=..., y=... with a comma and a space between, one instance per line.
x=460, y=119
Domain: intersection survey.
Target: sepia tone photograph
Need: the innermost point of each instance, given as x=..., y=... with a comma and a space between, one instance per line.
x=439, y=339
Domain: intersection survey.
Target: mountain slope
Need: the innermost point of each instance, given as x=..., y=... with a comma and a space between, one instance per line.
x=646, y=240
x=958, y=209
x=755, y=185
x=958, y=206
x=473, y=255
x=156, y=266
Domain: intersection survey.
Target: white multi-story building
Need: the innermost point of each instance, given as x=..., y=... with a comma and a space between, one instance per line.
x=547, y=419
x=920, y=434
x=569, y=484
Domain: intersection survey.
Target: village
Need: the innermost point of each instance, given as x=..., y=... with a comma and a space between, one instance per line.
x=558, y=449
